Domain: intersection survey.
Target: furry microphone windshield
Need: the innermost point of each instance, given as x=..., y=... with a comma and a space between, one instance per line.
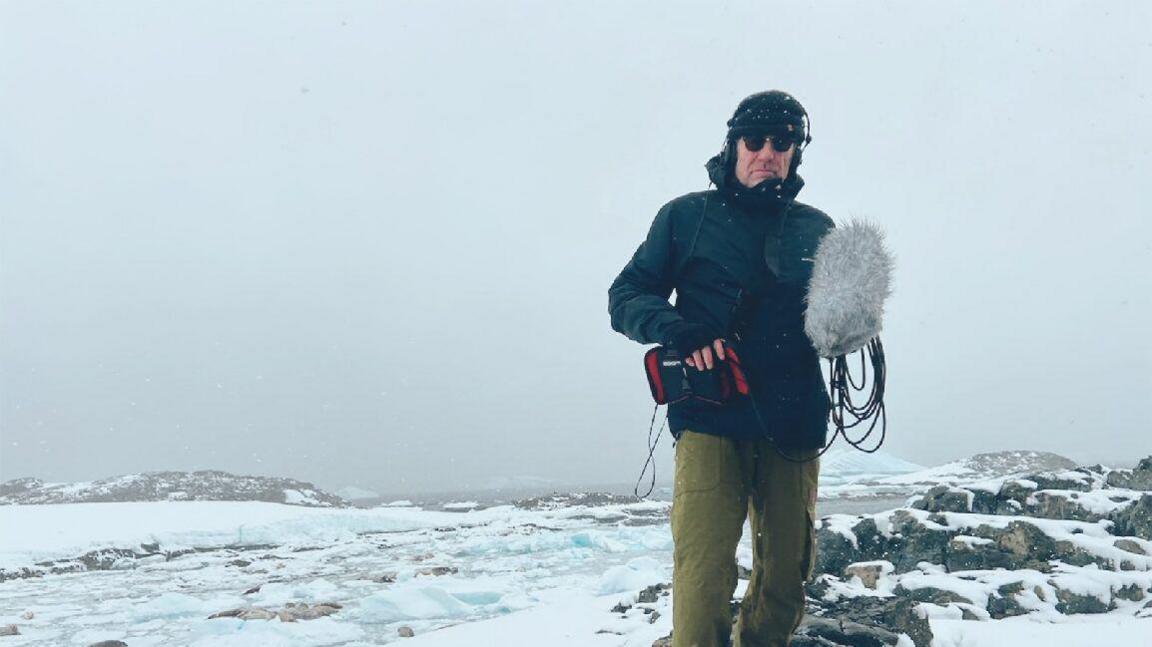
x=851, y=275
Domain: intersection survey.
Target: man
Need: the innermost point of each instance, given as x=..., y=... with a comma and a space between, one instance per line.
x=739, y=258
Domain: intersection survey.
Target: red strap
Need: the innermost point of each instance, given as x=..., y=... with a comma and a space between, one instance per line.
x=737, y=370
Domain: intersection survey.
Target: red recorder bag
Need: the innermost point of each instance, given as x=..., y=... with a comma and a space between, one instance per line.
x=671, y=380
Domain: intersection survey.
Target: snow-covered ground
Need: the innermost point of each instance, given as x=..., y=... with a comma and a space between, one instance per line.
x=496, y=576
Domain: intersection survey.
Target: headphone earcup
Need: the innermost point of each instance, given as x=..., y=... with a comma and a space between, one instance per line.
x=728, y=155
x=798, y=156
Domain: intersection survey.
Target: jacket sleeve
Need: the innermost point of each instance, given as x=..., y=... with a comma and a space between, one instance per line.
x=638, y=299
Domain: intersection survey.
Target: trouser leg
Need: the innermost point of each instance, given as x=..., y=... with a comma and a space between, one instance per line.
x=782, y=510
x=708, y=510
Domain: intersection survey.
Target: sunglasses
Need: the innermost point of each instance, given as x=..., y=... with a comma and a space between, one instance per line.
x=756, y=142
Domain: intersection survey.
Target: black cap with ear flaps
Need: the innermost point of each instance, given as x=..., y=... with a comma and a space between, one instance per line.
x=771, y=112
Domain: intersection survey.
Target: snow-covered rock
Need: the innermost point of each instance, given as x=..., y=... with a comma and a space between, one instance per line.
x=1047, y=543
x=1139, y=478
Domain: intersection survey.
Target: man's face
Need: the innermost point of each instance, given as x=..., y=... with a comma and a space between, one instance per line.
x=753, y=167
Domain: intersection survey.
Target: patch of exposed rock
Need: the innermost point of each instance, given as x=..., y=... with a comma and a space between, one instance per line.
x=1139, y=478
x=558, y=500
x=106, y=559
x=863, y=620
x=850, y=622
x=290, y=612
x=210, y=485
x=1011, y=462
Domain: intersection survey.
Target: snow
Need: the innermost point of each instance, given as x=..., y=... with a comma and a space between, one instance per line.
x=637, y=574
x=565, y=618
x=169, y=605
x=1012, y=632
x=842, y=524
x=232, y=632
x=971, y=541
x=411, y=603
x=495, y=576
x=975, y=592
x=1102, y=502
x=299, y=497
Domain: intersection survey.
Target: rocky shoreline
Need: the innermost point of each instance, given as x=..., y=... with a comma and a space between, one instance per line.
x=1051, y=544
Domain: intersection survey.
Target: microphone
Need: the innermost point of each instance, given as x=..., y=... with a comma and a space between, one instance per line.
x=851, y=277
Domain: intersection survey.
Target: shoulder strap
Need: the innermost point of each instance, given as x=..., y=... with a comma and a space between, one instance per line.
x=692, y=245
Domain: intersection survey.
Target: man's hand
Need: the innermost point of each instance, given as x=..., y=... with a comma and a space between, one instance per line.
x=696, y=343
x=702, y=359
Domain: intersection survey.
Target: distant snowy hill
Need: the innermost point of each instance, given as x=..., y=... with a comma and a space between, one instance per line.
x=208, y=485
x=981, y=467
x=840, y=466
x=519, y=482
x=353, y=493
x=851, y=474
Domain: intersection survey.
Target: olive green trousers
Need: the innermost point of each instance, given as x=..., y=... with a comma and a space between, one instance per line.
x=719, y=482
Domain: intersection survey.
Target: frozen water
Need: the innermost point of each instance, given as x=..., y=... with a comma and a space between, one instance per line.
x=387, y=566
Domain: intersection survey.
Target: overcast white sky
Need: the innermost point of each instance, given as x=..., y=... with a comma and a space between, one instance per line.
x=370, y=242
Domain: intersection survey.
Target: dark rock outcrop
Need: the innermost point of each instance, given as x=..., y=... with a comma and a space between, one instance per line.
x=866, y=620
x=559, y=500
x=855, y=622
x=290, y=612
x=1139, y=478
x=1135, y=520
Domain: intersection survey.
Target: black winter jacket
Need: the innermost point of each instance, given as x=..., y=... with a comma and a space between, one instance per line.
x=709, y=248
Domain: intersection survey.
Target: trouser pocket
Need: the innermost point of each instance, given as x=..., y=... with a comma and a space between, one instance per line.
x=699, y=463
x=809, y=560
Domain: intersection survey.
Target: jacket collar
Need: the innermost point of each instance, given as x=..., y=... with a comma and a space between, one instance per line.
x=768, y=196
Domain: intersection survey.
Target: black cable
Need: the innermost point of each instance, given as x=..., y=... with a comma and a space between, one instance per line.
x=872, y=409
x=651, y=455
x=840, y=387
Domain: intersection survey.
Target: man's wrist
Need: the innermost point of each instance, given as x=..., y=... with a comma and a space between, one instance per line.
x=689, y=337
